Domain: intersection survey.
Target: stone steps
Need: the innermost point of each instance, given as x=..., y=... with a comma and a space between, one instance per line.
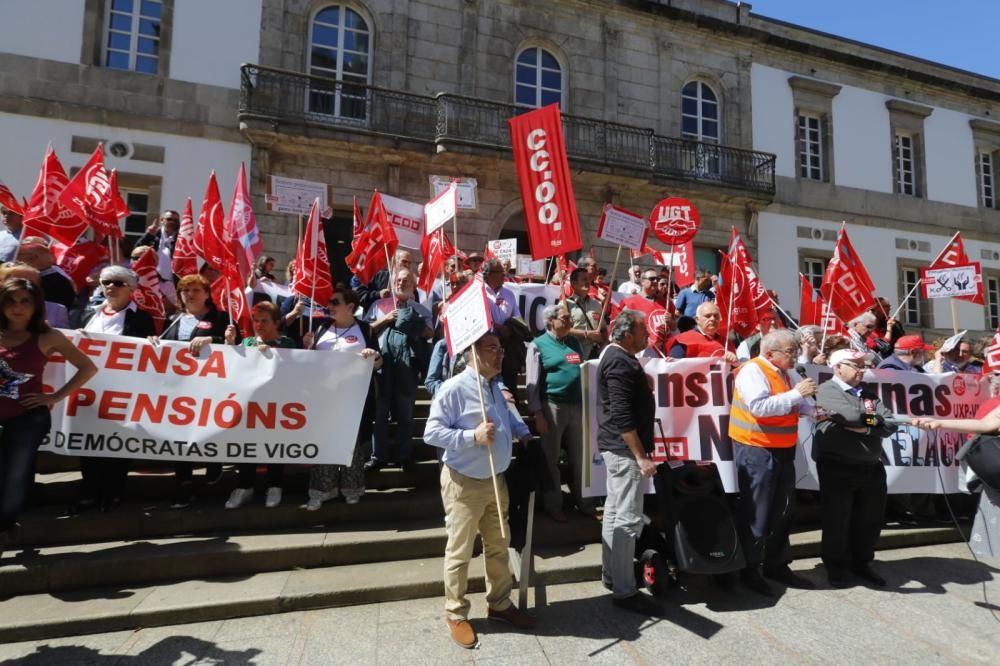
x=103, y=609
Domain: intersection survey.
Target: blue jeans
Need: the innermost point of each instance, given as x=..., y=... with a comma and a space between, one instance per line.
x=22, y=435
x=400, y=406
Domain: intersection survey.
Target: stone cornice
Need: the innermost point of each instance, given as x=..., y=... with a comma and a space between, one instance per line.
x=803, y=84
x=899, y=106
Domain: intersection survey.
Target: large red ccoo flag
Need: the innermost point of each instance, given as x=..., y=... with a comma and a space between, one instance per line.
x=375, y=245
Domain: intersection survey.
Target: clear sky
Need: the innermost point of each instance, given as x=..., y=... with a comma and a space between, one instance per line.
x=957, y=33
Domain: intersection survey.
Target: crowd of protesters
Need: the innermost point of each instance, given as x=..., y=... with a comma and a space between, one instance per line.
x=400, y=328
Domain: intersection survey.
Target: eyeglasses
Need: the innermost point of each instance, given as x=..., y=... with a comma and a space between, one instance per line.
x=851, y=365
x=794, y=351
x=493, y=349
x=114, y=283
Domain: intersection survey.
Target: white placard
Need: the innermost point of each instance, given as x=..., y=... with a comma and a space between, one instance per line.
x=527, y=267
x=504, y=249
x=950, y=281
x=467, y=317
x=407, y=219
x=620, y=226
x=441, y=209
x=468, y=197
x=292, y=195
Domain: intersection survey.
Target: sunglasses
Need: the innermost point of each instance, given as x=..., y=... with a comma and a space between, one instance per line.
x=114, y=283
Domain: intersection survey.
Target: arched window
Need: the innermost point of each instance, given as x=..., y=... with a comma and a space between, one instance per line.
x=699, y=113
x=340, y=49
x=538, y=78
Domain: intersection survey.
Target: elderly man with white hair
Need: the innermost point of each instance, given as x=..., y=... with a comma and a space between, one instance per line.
x=763, y=426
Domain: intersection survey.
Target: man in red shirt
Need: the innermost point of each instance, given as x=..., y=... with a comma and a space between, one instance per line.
x=703, y=341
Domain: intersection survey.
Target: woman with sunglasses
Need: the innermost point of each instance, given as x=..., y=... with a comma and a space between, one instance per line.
x=345, y=333
x=26, y=343
x=200, y=324
x=104, y=479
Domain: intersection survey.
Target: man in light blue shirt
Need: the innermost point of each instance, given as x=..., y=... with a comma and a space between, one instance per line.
x=456, y=425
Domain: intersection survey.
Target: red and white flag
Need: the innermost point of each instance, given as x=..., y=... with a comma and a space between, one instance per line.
x=761, y=300
x=241, y=226
x=313, y=281
x=184, y=260
x=376, y=243
x=45, y=215
x=79, y=260
x=435, y=249
x=847, y=287
x=546, y=188
x=92, y=194
x=8, y=200
x=359, y=223
x=229, y=293
x=209, y=235
x=813, y=311
x=734, y=296
x=992, y=355
x=147, y=295
x=954, y=255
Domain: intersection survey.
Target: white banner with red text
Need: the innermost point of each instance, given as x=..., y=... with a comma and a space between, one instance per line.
x=228, y=404
x=693, y=396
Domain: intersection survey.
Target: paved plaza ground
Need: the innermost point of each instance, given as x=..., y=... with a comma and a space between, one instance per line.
x=933, y=611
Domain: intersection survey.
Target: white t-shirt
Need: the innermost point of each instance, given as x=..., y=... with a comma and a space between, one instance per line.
x=342, y=339
x=108, y=321
x=186, y=327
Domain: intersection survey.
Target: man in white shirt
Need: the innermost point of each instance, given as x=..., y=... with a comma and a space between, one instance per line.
x=634, y=284
x=503, y=308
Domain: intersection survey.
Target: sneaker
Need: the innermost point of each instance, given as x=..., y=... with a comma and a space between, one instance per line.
x=273, y=497
x=462, y=633
x=239, y=497
x=513, y=616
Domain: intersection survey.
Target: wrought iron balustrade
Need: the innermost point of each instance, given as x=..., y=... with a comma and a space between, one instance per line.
x=279, y=96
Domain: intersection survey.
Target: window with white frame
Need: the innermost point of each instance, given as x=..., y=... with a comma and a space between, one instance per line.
x=993, y=302
x=133, y=35
x=538, y=78
x=138, y=218
x=987, y=180
x=813, y=269
x=340, y=50
x=912, y=310
x=905, y=164
x=810, y=146
x=699, y=112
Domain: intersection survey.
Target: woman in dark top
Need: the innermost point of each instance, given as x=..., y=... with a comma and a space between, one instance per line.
x=26, y=343
x=104, y=478
x=198, y=323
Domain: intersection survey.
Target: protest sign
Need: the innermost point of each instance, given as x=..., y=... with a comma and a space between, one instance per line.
x=675, y=221
x=407, y=220
x=950, y=281
x=228, y=404
x=468, y=198
x=467, y=317
x=622, y=227
x=293, y=195
x=504, y=249
x=693, y=397
x=440, y=209
x=528, y=268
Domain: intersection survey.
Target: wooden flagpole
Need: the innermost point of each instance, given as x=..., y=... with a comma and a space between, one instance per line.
x=489, y=447
x=299, y=246
x=607, y=301
x=954, y=317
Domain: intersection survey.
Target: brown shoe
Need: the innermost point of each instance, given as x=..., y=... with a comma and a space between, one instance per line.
x=513, y=616
x=462, y=633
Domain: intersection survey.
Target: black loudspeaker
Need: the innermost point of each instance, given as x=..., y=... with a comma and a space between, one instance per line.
x=698, y=517
x=982, y=455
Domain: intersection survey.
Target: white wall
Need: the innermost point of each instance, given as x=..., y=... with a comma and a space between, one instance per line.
x=950, y=160
x=773, y=116
x=212, y=39
x=778, y=262
x=51, y=29
x=862, y=145
x=188, y=161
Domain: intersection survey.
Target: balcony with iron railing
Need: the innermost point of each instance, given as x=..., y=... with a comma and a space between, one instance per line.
x=280, y=97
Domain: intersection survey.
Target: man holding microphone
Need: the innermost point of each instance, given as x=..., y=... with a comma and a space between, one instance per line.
x=763, y=426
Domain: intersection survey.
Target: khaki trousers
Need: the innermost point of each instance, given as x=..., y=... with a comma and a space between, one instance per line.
x=470, y=508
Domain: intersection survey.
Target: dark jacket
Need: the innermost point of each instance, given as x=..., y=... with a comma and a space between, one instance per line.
x=59, y=289
x=893, y=363
x=624, y=401
x=138, y=323
x=833, y=442
x=217, y=323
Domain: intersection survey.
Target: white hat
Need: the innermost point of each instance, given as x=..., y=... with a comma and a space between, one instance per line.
x=841, y=355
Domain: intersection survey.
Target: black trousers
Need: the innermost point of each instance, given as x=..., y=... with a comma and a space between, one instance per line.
x=766, y=480
x=103, y=478
x=852, y=507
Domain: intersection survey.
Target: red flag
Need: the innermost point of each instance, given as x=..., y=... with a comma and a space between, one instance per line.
x=435, y=248
x=761, y=300
x=44, y=214
x=117, y=210
x=209, y=239
x=546, y=188
x=991, y=355
x=79, y=260
x=147, y=295
x=359, y=223
x=847, y=288
x=376, y=242
x=8, y=200
x=185, y=259
x=92, y=195
x=954, y=255
x=809, y=304
x=229, y=294
x=241, y=226
x=735, y=298
x=313, y=281
x=682, y=258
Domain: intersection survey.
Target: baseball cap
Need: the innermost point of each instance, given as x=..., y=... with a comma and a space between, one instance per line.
x=850, y=355
x=912, y=343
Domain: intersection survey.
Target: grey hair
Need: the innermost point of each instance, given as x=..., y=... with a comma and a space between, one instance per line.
x=115, y=272
x=492, y=265
x=863, y=318
x=816, y=331
x=706, y=304
x=551, y=312
x=776, y=340
x=624, y=323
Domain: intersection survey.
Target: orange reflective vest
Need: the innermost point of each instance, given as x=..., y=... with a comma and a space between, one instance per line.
x=777, y=432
